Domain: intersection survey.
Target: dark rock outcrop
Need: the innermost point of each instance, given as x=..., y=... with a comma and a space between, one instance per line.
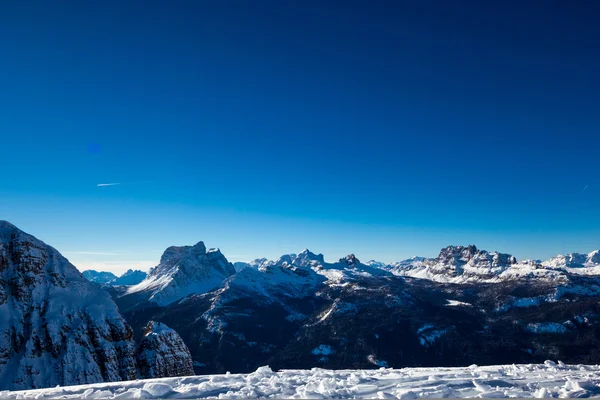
x=162, y=353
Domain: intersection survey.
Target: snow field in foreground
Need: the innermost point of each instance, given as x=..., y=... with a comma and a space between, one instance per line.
x=528, y=380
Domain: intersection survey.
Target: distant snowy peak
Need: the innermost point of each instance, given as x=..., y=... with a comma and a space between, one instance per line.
x=131, y=277
x=256, y=264
x=345, y=268
x=185, y=270
x=272, y=280
x=457, y=264
x=575, y=260
x=459, y=256
x=398, y=267
x=305, y=269
x=99, y=277
x=306, y=258
x=350, y=260
x=376, y=264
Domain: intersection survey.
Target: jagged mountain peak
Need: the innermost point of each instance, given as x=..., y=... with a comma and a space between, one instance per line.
x=594, y=257
x=305, y=258
x=575, y=260
x=177, y=252
x=461, y=255
x=190, y=258
x=350, y=259
x=308, y=256
x=455, y=253
x=184, y=270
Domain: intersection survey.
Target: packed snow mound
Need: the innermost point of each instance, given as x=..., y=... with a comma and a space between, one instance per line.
x=184, y=270
x=521, y=381
x=162, y=353
x=56, y=327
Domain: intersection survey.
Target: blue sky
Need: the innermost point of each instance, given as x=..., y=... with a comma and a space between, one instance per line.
x=384, y=128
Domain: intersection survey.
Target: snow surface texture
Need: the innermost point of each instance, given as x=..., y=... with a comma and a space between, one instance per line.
x=531, y=380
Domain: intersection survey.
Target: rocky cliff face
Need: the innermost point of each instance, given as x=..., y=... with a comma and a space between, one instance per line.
x=56, y=328
x=576, y=260
x=184, y=270
x=163, y=353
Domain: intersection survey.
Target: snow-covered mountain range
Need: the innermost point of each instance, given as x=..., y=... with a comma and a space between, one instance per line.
x=302, y=311
x=456, y=264
x=459, y=264
x=197, y=312
x=194, y=270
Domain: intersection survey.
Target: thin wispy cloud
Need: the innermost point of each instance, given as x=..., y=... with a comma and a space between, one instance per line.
x=107, y=184
x=586, y=186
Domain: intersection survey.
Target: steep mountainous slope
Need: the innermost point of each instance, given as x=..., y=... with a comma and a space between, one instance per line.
x=182, y=271
x=56, y=328
x=162, y=353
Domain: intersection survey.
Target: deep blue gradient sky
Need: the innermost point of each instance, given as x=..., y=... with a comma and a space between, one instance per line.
x=385, y=128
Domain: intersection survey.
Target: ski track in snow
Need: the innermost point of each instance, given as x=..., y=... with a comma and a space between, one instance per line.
x=528, y=380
